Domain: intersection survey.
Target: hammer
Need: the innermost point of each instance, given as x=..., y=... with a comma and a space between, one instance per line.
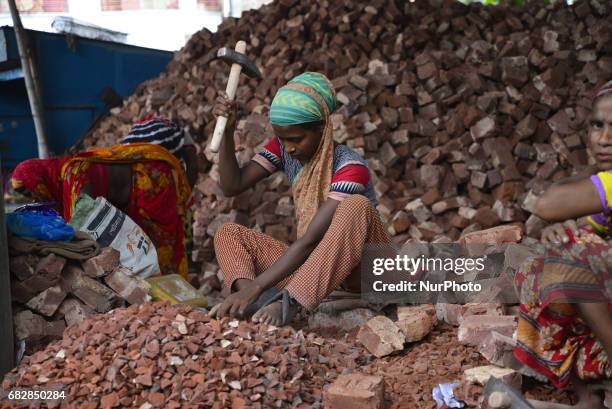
x=239, y=61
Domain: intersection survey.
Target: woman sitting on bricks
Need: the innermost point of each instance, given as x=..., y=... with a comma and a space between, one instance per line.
x=335, y=208
x=565, y=323
x=142, y=176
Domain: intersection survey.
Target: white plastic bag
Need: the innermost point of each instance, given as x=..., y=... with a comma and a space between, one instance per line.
x=110, y=227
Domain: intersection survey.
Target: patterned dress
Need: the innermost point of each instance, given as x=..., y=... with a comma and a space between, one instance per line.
x=159, y=196
x=243, y=253
x=350, y=171
x=552, y=338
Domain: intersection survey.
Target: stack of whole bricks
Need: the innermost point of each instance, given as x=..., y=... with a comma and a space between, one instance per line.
x=465, y=114
x=50, y=293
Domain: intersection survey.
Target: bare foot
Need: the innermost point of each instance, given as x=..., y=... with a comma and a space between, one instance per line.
x=270, y=315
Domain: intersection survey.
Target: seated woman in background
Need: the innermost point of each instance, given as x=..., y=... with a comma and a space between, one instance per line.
x=142, y=177
x=565, y=323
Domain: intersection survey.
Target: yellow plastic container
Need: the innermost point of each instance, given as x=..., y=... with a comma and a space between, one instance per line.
x=175, y=289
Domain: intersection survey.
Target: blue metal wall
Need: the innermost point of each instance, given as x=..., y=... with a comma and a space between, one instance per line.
x=72, y=76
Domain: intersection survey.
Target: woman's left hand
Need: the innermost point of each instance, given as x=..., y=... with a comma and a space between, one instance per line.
x=235, y=304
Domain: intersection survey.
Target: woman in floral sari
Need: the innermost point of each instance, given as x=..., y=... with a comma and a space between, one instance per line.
x=141, y=177
x=565, y=323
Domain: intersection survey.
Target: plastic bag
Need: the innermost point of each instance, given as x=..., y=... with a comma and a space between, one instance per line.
x=45, y=208
x=39, y=226
x=113, y=228
x=444, y=394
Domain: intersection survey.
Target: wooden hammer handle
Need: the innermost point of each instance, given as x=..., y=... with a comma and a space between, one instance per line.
x=232, y=85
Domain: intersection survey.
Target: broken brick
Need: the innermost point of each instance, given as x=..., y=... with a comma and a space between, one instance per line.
x=481, y=375
x=74, y=311
x=415, y=326
x=33, y=328
x=495, y=235
x=91, y=292
x=22, y=267
x=346, y=320
x=381, y=336
x=48, y=301
x=132, y=289
x=485, y=128
x=102, y=264
x=356, y=391
x=475, y=328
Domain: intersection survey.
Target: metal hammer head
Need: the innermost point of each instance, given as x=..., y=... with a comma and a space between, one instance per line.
x=232, y=57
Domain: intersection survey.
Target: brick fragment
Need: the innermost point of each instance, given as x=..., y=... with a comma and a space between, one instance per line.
x=497, y=349
x=110, y=401
x=495, y=235
x=74, y=311
x=427, y=70
x=381, y=336
x=430, y=175
x=22, y=267
x=474, y=328
x=356, y=391
x=416, y=326
x=527, y=126
x=132, y=289
x=346, y=320
x=486, y=217
x=448, y=313
x=484, y=128
x=33, y=328
x=400, y=222
x=481, y=374
x=46, y=274
x=102, y=264
x=489, y=309
x=50, y=266
x=534, y=226
x=515, y=70
x=91, y=292
x=388, y=154
x=404, y=312
x=48, y=301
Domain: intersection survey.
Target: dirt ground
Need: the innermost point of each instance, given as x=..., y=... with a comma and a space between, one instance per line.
x=439, y=358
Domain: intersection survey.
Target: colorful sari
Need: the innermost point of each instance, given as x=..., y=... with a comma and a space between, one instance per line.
x=552, y=337
x=159, y=197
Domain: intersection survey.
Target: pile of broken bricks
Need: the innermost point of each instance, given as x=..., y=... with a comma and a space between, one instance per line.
x=157, y=355
x=490, y=333
x=50, y=293
x=465, y=114
x=487, y=327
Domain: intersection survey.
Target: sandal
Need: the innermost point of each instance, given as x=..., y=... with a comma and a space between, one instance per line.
x=289, y=307
x=261, y=302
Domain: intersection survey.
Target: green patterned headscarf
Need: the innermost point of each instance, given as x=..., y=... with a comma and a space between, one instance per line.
x=294, y=107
